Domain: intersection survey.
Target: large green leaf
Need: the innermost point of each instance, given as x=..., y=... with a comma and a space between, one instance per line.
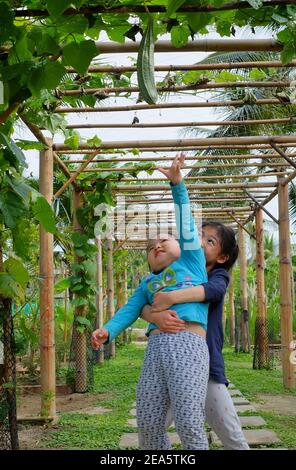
x=10, y=288
x=173, y=6
x=44, y=214
x=13, y=149
x=57, y=7
x=12, y=208
x=62, y=285
x=80, y=54
x=46, y=76
x=17, y=270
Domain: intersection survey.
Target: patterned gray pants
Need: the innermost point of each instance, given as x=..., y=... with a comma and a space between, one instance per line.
x=174, y=374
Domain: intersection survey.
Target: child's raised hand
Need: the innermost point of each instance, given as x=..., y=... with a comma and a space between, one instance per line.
x=174, y=172
x=99, y=337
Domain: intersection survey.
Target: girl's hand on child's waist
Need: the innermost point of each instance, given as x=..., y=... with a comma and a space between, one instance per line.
x=99, y=337
x=168, y=321
x=162, y=301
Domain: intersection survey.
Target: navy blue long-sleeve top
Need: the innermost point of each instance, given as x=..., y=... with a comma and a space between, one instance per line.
x=215, y=289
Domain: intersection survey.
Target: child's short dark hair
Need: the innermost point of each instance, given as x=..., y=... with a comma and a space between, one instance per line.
x=228, y=242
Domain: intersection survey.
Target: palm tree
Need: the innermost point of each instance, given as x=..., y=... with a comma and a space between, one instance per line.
x=250, y=110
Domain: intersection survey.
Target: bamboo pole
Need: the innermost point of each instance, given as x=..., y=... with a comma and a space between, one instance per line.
x=244, y=322
x=137, y=107
x=178, y=88
x=286, y=307
x=195, y=159
x=81, y=370
x=146, y=125
x=170, y=211
x=99, y=295
x=262, y=207
x=44, y=140
x=261, y=325
x=168, y=159
x=193, y=178
x=74, y=175
x=207, y=142
x=89, y=10
x=110, y=287
x=188, y=67
x=242, y=226
x=231, y=309
x=158, y=187
x=95, y=169
x=282, y=154
x=65, y=317
x=47, y=334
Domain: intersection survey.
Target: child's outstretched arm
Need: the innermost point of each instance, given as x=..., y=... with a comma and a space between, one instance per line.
x=188, y=235
x=123, y=318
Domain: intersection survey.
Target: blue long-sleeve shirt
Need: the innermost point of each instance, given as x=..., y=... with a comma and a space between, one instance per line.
x=189, y=270
x=215, y=290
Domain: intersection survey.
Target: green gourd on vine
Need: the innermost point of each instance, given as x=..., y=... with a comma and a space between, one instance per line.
x=145, y=65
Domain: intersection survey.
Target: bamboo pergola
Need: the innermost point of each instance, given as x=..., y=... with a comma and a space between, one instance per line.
x=235, y=198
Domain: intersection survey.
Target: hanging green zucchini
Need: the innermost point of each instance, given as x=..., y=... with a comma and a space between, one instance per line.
x=145, y=65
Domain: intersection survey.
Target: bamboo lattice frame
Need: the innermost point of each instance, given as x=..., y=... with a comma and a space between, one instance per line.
x=238, y=187
x=235, y=199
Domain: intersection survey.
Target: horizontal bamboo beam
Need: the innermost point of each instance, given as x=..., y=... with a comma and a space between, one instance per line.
x=164, y=211
x=199, y=45
x=206, y=157
x=189, y=67
x=178, y=88
x=247, y=122
x=157, y=187
x=137, y=107
x=88, y=10
x=207, y=142
x=187, y=167
x=236, y=192
x=144, y=202
x=196, y=178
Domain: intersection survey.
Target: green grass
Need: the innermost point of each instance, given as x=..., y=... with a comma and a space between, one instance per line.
x=117, y=379
x=253, y=382
x=284, y=426
x=115, y=389
x=140, y=323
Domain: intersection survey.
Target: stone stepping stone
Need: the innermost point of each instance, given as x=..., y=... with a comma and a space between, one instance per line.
x=240, y=401
x=246, y=422
x=243, y=408
x=133, y=412
x=130, y=440
x=140, y=344
x=140, y=332
x=235, y=393
x=230, y=386
x=252, y=421
x=132, y=422
x=254, y=437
